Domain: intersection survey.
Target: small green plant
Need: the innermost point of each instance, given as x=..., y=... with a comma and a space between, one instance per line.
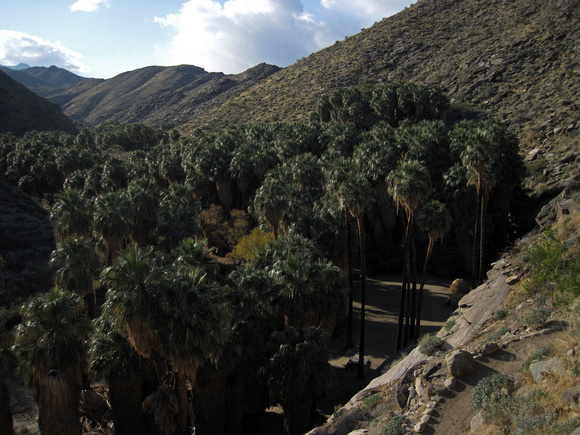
x=500, y=314
x=396, y=426
x=449, y=325
x=536, y=356
x=489, y=390
x=538, y=317
x=371, y=402
x=576, y=369
x=430, y=344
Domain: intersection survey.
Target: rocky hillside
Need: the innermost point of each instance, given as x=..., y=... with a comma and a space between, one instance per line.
x=22, y=110
x=515, y=59
x=44, y=81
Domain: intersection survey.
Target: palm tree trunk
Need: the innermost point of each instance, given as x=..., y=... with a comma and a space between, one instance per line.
x=361, y=351
x=400, y=343
x=182, y=404
x=413, y=311
x=126, y=404
x=481, y=237
x=475, y=245
x=6, y=423
x=349, y=340
x=408, y=280
x=420, y=301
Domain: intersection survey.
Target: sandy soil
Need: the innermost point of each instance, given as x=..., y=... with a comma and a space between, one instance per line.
x=382, y=311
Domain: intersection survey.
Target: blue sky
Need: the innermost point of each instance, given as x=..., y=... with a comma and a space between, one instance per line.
x=103, y=38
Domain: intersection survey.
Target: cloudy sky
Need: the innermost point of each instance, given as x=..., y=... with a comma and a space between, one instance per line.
x=102, y=38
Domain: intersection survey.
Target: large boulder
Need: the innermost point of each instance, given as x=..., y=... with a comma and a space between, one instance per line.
x=459, y=363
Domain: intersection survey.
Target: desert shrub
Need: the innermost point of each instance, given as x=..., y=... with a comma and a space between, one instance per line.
x=396, y=426
x=248, y=246
x=536, y=356
x=449, y=325
x=430, y=344
x=371, y=402
x=500, y=314
x=489, y=390
x=538, y=317
x=554, y=267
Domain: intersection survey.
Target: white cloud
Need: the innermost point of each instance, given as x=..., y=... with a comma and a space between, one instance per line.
x=366, y=9
x=234, y=35
x=18, y=47
x=89, y=5
x=242, y=33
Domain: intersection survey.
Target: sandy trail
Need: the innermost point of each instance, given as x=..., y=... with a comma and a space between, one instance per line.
x=382, y=314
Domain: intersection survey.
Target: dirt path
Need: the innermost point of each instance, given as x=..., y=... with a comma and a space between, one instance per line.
x=455, y=412
x=382, y=311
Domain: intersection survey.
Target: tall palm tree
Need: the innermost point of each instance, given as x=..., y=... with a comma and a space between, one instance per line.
x=78, y=267
x=8, y=364
x=409, y=184
x=113, y=357
x=143, y=198
x=51, y=345
x=356, y=195
x=111, y=221
x=480, y=147
x=71, y=214
x=435, y=219
x=271, y=201
x=297, y=372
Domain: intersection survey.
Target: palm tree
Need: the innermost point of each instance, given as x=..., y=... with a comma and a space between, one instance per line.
x=435, y=219
x=51, y=345
x=143, y=198
x=170, y=314
x=71, y=214
x=479, y=147
x=308, y=290
x=356, y=194
x=192, y=324
x=271, y=201
x=409, y=185
x=111, y=221
x=78, y=267
x=297, y=372
x=8, y=364
x=113, y=357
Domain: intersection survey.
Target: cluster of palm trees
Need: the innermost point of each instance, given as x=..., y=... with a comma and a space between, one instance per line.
x=175, y=331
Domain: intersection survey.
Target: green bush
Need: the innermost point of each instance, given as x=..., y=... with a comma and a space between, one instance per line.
x=430, y=344
x=371, y=402
x=490, y=390
x=449, y=325
x=396, y=426
x=538, y=317
x=500, y=314
x=555, y=267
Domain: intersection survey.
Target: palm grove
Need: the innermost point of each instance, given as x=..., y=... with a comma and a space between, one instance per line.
x=140, y=215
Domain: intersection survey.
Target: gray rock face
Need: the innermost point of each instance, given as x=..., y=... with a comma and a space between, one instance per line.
x=476, y=422
x=459, y=363
x=540, y=369
x=571, y=395
x=490, y=348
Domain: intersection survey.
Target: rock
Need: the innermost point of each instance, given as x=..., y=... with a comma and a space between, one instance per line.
x=553, y=366
x=450, y=382
x=459, y=286
x=570, y=396
x=512, y=280
x=576, y=431
x=490, y=348
x=572, y=355
x=425, y=419
x=421, y=387
x=459, y=363
x=532, y=155
x=420, y=427
x=477, y=422
x=453, y=300
x=430, y=368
